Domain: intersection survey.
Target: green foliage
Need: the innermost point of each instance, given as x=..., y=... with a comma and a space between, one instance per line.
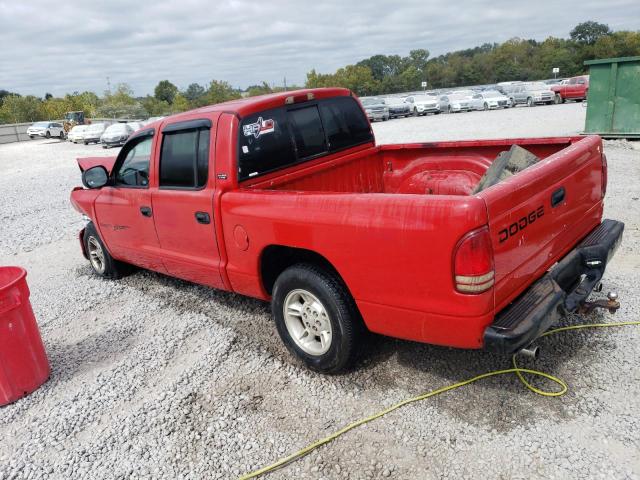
x=195, y=95
x=219, y=92
x=589, y=32
x=165, y=91
x=515, y=59
x=120, y=104
x=17, y=109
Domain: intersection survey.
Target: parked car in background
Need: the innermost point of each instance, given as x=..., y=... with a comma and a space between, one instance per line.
x=554, y=81
x=489, y=100
x=507, y=87
x=46, y=130
x=375, y=108
x=531, y=94
x=454, y=103
x=398, y=107
x=576, y=88
x=423, y=104
x=76, y=134
x=135, y=125
x=116, y=135
x=93, y=133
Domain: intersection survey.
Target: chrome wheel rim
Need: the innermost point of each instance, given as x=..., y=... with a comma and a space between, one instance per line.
x=96, y=255
x=307, y=322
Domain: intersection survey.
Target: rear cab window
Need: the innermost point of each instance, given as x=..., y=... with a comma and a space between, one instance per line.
x=281, y=137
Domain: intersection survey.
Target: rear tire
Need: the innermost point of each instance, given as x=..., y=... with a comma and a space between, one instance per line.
x=530, y=102
x=61, y=135
x=485, y=106
x=102, y=263
x=316, y=317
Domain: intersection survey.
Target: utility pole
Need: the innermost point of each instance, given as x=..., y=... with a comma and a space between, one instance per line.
x=285, y=83
x=109, y=85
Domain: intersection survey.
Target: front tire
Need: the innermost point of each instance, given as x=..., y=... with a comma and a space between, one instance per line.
x=316, y=317
x=48, y=134
x=485, y=107
x=530, y=102
x=102, y=263
x=559, y=99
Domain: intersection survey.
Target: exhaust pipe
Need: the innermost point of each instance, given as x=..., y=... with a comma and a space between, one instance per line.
x=531, y=352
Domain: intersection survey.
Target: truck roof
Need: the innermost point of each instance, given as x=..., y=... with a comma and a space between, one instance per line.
x=249, y=105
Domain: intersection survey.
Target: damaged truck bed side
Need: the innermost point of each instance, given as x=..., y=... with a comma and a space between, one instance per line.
x=286, y=197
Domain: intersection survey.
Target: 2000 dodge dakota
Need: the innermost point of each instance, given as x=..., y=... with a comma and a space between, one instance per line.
x=287, y=198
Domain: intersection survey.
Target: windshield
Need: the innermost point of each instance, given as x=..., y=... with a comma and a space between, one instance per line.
x=96, y=127
x=372, y=101
x=491, y=93
x=394, y=101
x=41, y=124
x=423, y=98
x=79, y=128
x=457, y=96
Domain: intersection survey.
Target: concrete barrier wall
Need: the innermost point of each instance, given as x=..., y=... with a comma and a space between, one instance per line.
x=14, y=132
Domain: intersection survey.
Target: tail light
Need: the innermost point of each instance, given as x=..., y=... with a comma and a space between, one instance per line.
x=473, y=267
x=604, y=175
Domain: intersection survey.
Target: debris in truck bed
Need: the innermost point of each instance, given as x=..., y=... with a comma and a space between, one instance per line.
x=506, y=164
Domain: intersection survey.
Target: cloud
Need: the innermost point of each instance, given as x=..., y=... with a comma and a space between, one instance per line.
x=78, y=45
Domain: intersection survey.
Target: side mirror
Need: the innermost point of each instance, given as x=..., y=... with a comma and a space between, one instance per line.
x=95, y=177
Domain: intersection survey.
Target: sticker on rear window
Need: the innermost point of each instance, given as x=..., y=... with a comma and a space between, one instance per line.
x=261, y=127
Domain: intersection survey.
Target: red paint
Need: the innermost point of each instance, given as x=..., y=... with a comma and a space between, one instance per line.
x=576, y=88
x=23, y=360
x=388, y=218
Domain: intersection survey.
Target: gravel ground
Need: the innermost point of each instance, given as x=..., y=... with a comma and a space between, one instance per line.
x=154, y=377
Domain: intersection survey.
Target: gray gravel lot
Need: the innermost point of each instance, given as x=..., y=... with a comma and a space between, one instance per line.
x=154, y=377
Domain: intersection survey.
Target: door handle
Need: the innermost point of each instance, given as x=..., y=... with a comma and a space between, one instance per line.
x=557, y=197
x=203, y=217
x=146, y=211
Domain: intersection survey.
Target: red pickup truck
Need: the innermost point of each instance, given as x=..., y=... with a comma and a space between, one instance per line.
x=287, y=198
x=576, y=88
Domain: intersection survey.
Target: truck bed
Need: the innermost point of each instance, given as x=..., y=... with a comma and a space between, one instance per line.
x=443, y=168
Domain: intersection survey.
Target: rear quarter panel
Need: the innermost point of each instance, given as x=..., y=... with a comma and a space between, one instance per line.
x=393, y=251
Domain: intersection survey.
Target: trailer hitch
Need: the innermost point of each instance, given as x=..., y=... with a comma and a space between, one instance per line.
x=612, y=304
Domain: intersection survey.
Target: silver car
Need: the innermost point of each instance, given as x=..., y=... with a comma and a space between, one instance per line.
x=454, y=103
x=398, y=107
x=532, y=94
x=375, y=108
x=93, y=133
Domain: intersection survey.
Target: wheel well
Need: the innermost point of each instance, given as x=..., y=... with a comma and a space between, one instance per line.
x=275, y=259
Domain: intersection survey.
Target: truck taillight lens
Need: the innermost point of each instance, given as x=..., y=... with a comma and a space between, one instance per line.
x=604, y=175
x=473, y=262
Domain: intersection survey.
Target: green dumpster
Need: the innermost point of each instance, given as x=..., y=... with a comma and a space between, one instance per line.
x=613, y=101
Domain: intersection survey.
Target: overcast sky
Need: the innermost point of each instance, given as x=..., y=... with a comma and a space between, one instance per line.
x=59, y=47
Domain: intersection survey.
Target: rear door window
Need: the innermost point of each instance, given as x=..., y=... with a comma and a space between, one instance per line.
x=184, y=158
x=344, y=123
x=265, y=143
x=282, y=137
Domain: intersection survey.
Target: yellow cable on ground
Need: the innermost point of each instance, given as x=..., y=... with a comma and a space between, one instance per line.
x=517, y=370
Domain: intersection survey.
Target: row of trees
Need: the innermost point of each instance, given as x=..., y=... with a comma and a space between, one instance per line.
x=515, y=59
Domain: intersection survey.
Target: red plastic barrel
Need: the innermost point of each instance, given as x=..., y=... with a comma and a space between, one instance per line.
x=23, y=361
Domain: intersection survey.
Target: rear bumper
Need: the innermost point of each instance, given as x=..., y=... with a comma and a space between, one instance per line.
x=563, y=289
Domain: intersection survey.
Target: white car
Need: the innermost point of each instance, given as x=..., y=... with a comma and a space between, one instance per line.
x=93, y=133
x=423, y=104
x=76, y=134
x=489, y=100
x=46, y=129
x=116, y=135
